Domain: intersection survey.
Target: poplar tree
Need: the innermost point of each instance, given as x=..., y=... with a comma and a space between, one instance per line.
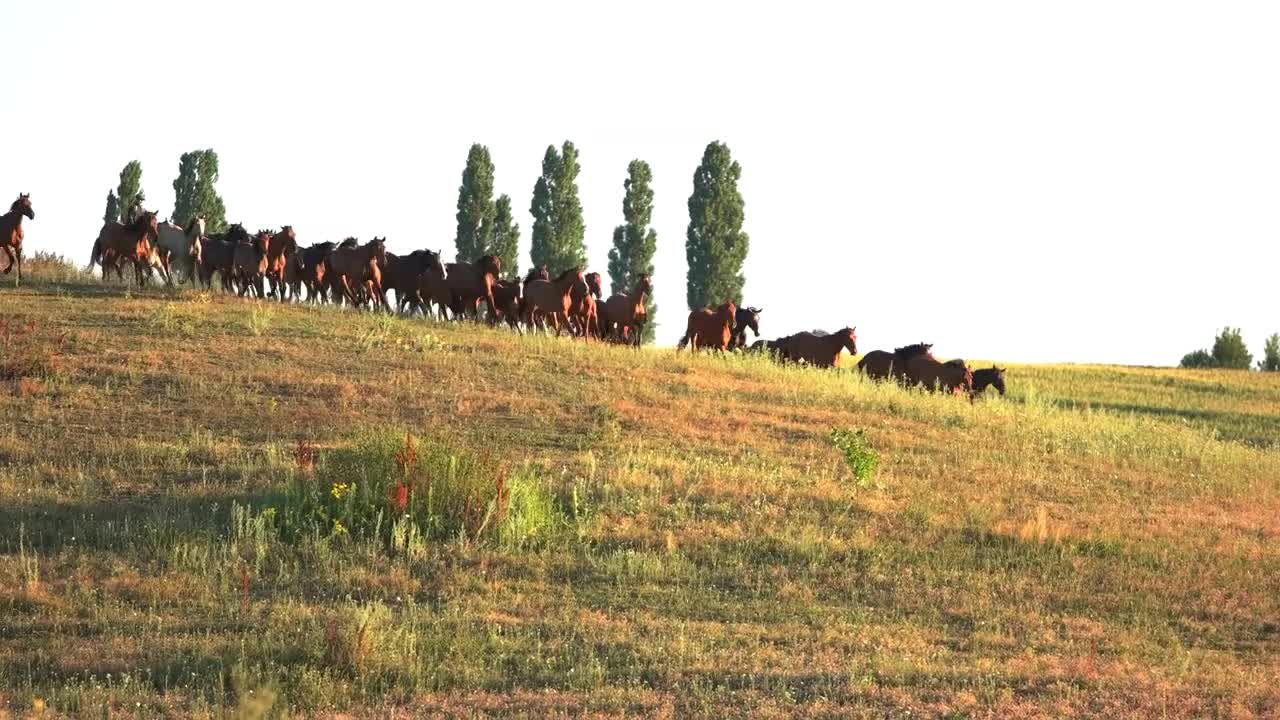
x=635, y=242
x=715, y=244
x=475, y=205
x=558, y=229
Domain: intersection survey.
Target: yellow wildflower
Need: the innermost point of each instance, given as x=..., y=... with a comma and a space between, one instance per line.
x=341, y=490
x=339, y=528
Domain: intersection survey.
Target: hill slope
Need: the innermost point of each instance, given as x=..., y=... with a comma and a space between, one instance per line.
x=1102, y=541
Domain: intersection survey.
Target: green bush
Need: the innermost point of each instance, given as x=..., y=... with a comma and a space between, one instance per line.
x=1198, y=359
x=858, y=455
x=401, y=491
x=1229, y=350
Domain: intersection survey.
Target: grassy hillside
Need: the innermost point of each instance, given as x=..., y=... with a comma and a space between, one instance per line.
x=1102, y=541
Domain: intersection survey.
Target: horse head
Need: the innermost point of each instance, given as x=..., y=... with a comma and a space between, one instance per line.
x=749, y=317
x=262, y=241
x=23, y=206
x=992, y=376
x=593, y=284
x=195, y=248
x=729, y=312
x=378, y=250
x=490, y=265
x=849, y=339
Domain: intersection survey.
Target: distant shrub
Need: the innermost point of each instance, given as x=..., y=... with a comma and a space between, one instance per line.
x=1229, y=350
x=402, y=491
x=858, y=454
x=1198, y=359
x=1271, y=355
x=27, y=350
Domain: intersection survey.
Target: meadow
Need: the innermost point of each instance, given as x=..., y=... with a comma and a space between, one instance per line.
x=679, y=535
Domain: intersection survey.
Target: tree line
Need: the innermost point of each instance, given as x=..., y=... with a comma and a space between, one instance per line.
x=1229, y=351
x=715, y=243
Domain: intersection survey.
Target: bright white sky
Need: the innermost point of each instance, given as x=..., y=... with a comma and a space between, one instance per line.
x=1086, y=181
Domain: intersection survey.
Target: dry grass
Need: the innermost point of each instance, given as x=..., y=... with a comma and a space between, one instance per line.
x=1101, y=542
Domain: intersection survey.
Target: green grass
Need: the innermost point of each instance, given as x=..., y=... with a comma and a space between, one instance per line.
x=1100, y=542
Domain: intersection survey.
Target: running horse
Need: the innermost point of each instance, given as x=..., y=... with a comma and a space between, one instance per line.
x=623, y=315
x=552, y=299
x=281, y=247
x=709, y=328
x=118, y=243
x=469, y=283
x=11, y=232
x=361, y=267
x=816, y=350
x=884, y=365
x=583, y=314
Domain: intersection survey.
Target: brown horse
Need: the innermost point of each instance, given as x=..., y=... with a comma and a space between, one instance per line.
x=402, y=275
x=433, y=289
x=583, y=315
x=816, y=350
x=117, y=244
x=709, y=328
x=471, y=282
x=11, y=232
x=952, y=376
x=249, y=264
x=884, y=365
x=506, y=296
x=623, y=314
x=357, y=268
x=218, y=252
x=306, y=269
x=280, y=248
x=551, y=299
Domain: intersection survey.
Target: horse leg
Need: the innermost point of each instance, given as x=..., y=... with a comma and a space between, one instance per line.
x=18, y=252
x=12, y=261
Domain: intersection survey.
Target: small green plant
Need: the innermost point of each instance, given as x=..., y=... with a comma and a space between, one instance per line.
x=858, y=454
x=401, y=491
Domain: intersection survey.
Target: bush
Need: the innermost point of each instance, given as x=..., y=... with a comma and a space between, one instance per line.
x=399, y=490
x=1229, y=350
x=1271, y=355
x=1198, y=359
x=858, y=455
x=52, y=267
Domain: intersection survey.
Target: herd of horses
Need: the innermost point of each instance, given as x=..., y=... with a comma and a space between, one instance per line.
x=272, y=264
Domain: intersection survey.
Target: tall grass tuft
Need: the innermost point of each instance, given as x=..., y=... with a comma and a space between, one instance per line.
x=401, y=490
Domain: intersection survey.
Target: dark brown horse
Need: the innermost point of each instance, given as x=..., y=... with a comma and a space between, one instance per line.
x=280, y=248
x=249, y=264
x=306, y=269
x=469, y=283
x=118, y=244
x=748, y=317
x=402, y=275
x=218, y=253
x=709, y=328
x=11, y=232
x=816, y=350
x=884, y=365
x=358, y=268
x=988, y=377
x=507, y=295
x=551, y=299
x=433, y=289
x=623, y=315
x=952, y=376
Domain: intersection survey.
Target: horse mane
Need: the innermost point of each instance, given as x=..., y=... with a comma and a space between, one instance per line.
x=956, y=362
x=913, y=350
x=140, y=222
x=349, y=243
x=571, y=271
x=191, y=224
x=16, y=204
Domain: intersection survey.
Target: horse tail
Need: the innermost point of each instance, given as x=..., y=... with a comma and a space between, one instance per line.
x=96, y=255
x=683, y=341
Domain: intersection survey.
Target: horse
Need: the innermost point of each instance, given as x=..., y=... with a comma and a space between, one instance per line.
x=748, y=317
x=471, y=282
x=623, y=314
x=817, y=350
x=11, y=232
x=881, y=365
x=583, y=315
x=988, y=377
x=352, y=268
x=923, y=369
x=180, y=247
x=249, y=263
x=551, y=298
x=118, y=243
x=433, y=289
x=710, y=328
x=306, y=269
x=281, y=247
x=402, y=275
x=507, y=295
